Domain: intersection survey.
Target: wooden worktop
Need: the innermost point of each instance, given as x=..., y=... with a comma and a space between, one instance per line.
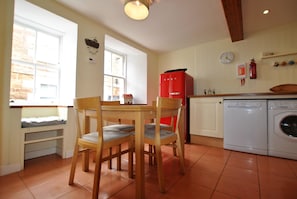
x=251, y=95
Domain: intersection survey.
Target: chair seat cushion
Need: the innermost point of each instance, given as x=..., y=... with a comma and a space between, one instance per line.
x=150, y=133
x=120, y=127
x=108, y=136
x=153, y=126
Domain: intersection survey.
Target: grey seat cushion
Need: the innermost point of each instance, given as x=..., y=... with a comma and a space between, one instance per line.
x=150, y=133
x=120, y=127
x=108, y=136
x=153, y=125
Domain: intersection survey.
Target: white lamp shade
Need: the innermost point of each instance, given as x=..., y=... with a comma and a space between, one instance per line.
x=137, y=9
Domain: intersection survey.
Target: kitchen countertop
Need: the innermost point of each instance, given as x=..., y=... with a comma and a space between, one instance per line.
x=264, y=95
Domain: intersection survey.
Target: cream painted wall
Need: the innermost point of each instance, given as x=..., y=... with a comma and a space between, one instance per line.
x=203, y=63
x=89, y=76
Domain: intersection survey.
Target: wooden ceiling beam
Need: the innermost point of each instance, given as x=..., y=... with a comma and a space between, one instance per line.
x=233, y=15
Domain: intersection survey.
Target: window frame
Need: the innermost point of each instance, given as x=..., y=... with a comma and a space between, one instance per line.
x=124, y=77
x=37, y=98
x=24, y=10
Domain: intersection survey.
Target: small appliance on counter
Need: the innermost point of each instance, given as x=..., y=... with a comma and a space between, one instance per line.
x=128, y=98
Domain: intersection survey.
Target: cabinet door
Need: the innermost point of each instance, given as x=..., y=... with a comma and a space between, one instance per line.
x=206, y=116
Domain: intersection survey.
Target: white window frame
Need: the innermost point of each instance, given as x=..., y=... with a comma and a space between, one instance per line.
x=124, y=77
x=54, y=24
x=136, y=69
x=37, y=98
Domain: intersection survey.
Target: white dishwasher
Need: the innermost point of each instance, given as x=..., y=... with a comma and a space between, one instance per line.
x=245, y=125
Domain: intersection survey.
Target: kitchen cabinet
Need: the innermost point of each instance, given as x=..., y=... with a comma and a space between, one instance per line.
x=206, y=116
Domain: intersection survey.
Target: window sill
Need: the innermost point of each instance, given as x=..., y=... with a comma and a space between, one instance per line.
x=28, y=106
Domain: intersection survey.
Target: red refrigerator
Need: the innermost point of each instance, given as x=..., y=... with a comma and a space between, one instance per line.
x=177, y=84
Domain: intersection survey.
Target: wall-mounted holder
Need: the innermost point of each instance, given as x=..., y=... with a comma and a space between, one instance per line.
x=92, y=45
x=241, y=73
x=278, y=63
x=284, y=63
x=272, y=55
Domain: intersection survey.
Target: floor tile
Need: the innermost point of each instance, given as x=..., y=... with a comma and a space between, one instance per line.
x=273, y=186
x=238, y=188
x=277, y=166
x=242, y=160
x=189, y=191
x=78, y=193
x=219, y=195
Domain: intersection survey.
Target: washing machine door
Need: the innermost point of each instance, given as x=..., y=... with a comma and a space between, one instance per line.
x=288, y=125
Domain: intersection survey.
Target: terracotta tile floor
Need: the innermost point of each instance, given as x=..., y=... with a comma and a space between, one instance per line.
x=210, y=173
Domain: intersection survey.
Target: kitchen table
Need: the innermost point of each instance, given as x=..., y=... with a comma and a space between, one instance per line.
x=140, y=114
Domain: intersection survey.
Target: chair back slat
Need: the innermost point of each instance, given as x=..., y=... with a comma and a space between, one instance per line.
x=85, y=109
x=111, y=120
x=168, y=107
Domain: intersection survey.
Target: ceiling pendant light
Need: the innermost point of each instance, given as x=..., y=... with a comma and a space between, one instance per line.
x=137, y=9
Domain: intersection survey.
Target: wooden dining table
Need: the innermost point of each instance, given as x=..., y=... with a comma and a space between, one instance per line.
x=139, y=114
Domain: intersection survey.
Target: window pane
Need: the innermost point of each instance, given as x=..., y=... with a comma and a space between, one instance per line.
x=22, y=81
x=48, y=91
x=118, y=88
x=47, y=82
x=23, y=43
x=107, y=62
x=47, y=48
x=117, y=65
x=107, y=88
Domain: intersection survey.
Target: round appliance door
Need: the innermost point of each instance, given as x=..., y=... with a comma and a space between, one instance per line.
x=288, y=126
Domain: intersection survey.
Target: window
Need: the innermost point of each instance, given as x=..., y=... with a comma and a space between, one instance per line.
x=130, y=70
x=35, y=69
x=114, y=75
x=43, y=61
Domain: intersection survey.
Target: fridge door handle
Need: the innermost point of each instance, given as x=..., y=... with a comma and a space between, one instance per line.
x=174, y=93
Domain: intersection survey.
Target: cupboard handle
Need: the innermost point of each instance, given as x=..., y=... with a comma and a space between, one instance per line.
x=174, y=93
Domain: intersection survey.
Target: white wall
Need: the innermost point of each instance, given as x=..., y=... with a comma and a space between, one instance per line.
x=203, y=63
x=137, y=78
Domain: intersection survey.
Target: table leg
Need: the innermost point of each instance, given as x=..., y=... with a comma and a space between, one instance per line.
x=139, y=153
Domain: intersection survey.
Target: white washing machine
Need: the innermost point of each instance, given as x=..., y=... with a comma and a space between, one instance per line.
x=282, y=128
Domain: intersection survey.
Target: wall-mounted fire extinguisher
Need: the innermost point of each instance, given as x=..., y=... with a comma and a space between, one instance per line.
x=253, y=69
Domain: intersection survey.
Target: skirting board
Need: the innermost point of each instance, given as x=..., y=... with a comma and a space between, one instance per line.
x=11, y=168
x=208, y=141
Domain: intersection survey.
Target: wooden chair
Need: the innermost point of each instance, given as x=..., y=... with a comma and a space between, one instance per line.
x=88, y=111
x=112, y=124
x=152, y=125
x=165, y=107
x=116, y=124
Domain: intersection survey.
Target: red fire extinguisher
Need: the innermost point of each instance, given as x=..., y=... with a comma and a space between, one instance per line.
x=253, y=69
